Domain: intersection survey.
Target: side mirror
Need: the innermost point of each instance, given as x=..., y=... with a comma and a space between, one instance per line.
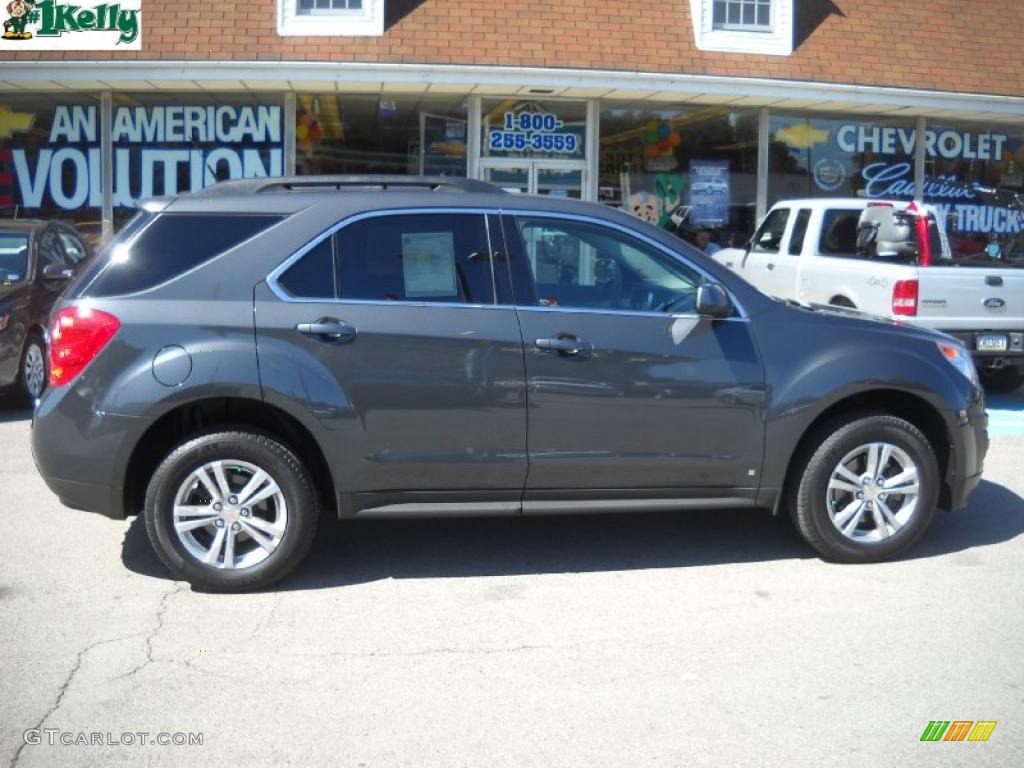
x=713, y=301
x=57, y=272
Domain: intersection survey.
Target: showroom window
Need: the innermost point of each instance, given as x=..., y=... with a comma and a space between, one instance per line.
x=961, y=155
x=355, y=18
x=840, y=156
x=747, y=15
x=50, y=159
x=681, y=167
x=375, y=133
x=167, y=143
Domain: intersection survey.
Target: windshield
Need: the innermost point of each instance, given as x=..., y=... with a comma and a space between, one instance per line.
x=13, y=257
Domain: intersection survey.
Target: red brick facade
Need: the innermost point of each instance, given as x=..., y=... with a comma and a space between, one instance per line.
x=944, y=45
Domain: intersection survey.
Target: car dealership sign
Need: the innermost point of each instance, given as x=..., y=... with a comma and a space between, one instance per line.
x=155, y=148
x=895, y=178
x=941, y=142
x=47, y=25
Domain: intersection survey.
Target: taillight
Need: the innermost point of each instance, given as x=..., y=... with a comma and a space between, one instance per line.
x=904, y=297
x=76, y=337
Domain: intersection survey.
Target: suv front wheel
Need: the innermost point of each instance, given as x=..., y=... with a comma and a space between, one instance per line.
x=231, y=511
x=868, y=491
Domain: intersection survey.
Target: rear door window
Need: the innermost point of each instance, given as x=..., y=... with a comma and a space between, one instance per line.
x=441, y=258
x=839, y=232
x=171, y=245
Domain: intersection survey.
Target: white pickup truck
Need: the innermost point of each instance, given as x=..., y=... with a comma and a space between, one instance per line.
x=890, y=259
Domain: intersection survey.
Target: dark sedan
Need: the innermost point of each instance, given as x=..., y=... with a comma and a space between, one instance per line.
x=36, y=260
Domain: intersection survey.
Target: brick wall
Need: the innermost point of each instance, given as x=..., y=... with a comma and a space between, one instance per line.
x=952, y=45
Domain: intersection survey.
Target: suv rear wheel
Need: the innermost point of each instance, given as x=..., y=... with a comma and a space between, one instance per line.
x=231, y=511
x=868, y=490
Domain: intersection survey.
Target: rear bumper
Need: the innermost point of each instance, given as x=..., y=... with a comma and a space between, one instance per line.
x=82, y=455
x=1014, y=354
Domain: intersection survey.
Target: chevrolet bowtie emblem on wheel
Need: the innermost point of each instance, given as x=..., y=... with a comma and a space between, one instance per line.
x=958, y=730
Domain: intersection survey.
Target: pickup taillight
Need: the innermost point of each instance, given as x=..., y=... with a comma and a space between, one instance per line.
x=904, y=297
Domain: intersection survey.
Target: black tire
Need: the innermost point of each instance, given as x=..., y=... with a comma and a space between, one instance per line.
x=28, y=386
x=842, y=301
x=1001, y=381
x=806, y=494
x=261, y=452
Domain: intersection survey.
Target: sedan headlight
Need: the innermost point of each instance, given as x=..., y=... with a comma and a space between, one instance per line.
x=958, y=357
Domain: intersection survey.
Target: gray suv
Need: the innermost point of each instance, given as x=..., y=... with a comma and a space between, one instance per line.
x=241, y=359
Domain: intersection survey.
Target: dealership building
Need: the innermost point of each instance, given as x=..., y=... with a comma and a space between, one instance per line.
x=725, y=106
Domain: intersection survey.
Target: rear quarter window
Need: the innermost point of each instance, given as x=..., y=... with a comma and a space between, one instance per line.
x=170, y=245
x=839, y=232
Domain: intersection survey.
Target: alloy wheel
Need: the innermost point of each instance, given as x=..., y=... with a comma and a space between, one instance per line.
x=35, y=370
x=873, y=492
x=229, y=514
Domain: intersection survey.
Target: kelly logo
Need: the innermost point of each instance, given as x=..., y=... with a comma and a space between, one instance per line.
x=53, y=25
x=958, y=730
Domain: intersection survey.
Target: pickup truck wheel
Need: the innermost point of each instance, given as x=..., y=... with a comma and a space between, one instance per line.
x=842, y=301
x=231, y=511
x=1001, y=380
x=865, y=489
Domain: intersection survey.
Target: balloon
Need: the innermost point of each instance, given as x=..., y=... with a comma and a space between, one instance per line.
x=664, y=130
x=675, y=139
x=650, y=137
x=664, y=145
x=652, y=125
x=301, y=132
x=1019, y=155
x=314, y=134
x=651, y=151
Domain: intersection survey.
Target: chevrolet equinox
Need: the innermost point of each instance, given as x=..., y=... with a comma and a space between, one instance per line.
x=240, y=359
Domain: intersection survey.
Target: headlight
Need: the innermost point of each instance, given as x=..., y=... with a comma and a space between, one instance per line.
x=959, y=359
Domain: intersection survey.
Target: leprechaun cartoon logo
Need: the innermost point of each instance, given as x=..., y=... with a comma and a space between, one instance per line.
x=20, y=13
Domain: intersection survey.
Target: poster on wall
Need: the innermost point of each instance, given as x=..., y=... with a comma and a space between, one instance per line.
x=709, y=191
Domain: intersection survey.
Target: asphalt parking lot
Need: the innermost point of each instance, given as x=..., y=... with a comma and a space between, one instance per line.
x=697, y=639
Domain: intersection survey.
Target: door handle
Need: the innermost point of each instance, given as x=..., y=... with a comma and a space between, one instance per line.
x=566, y=346
x=328, y=329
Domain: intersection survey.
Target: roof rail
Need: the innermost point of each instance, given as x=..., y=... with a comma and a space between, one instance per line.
x=363, y=181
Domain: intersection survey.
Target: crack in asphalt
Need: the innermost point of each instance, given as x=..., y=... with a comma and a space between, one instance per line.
x=160, y=611
x=63, y=689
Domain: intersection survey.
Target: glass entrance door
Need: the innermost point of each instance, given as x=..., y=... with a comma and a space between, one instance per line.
x=510, y=177
x=557, y=178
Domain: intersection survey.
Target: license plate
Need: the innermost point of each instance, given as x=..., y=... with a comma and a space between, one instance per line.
x=992, y=342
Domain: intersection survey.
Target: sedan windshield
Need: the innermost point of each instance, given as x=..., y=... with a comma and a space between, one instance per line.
x=13, y=257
